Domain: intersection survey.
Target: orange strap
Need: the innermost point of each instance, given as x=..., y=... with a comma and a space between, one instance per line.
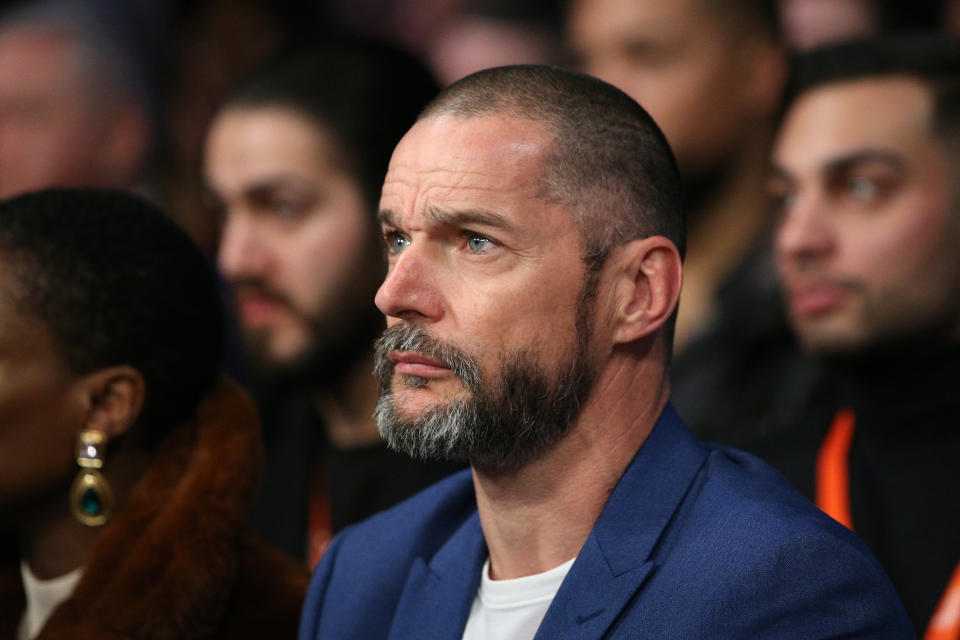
x=833, y=498
x=833, y=469
x=319, y=524
x=945, y=623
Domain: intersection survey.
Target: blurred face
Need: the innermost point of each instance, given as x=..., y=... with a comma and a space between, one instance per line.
x=484, y=296
x=50, y=128
x=867, y=240
x=39, y=416
x=679, y=62
x=299, y=247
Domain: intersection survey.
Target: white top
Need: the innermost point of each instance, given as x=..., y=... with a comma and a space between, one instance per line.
x=512, y=609
x=43, y=596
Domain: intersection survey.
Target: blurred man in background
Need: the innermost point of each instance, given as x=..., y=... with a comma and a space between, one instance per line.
x=711, y=75
x=294, y=158
x=865, y=171
x=73, y=102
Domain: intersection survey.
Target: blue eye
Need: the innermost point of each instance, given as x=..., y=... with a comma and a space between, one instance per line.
x=286, y=210
x=478, y=243
x=397, y=242
x=863, y=188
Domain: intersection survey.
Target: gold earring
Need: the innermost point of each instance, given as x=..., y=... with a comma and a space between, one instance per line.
x=91, y=498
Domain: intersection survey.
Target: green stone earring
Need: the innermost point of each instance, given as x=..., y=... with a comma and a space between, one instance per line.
x=91, y=498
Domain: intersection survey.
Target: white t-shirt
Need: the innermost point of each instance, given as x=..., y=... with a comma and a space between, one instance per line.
x=43, y=596
x=512, y=609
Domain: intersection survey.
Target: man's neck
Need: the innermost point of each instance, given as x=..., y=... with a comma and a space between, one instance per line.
x=538, y=517
x=347, y=411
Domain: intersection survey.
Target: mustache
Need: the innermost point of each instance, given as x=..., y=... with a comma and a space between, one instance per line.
x=803, y=280
x=243, y=287
x=809, y=272
x=240, y=287
x=413, y=337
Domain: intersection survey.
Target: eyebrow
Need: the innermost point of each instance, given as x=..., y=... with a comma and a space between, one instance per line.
x=443, y=217
x=275, y=182
x=388, y=218
x=847, y=162
x=467, y=217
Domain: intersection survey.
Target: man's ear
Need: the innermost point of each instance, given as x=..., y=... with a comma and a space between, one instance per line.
x=114, y=398
x=648, y=287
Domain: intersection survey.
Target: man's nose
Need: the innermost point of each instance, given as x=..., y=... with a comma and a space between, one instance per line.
x=242, y=250
x=804, y=232
x=410, y=291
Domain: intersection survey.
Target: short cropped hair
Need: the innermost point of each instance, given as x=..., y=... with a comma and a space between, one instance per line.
x=930, y=57
x=118, y=283
x=364, y=94
x=608, y=163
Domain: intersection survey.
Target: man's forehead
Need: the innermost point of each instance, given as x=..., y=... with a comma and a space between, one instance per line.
x=450, y=152
x=454, y=138
x=261, y=140
x=841, y=118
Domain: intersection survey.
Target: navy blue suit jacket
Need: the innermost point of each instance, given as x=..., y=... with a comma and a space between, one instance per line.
x=694, y=542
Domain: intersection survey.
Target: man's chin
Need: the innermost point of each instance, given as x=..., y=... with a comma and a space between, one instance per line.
x=270, y=362
x=413, y=397
x=832, y=343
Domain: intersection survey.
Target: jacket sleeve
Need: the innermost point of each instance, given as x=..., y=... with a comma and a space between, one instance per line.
x=815, y=586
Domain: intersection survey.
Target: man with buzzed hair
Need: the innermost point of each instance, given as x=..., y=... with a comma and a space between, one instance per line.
x=865, y=172
x=534, y=229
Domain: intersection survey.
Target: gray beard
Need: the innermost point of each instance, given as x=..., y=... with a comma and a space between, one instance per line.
x=503, y=422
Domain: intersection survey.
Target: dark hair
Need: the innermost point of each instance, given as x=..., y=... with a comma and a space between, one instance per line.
x=118, y=283
x=933, y=58
x=608, y=163
x=363, y=93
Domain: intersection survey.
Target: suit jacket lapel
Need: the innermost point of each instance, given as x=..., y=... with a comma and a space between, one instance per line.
x=618, y=556
x=437, y=597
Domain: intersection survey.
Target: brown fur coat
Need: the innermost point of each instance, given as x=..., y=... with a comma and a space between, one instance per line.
x=178, y=560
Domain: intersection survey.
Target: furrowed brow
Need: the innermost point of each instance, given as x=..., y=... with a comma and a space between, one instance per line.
x=468, y=217
x=386, y=218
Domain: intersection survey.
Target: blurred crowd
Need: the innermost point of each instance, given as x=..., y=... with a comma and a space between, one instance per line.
x=264, y=129
x=156, y=69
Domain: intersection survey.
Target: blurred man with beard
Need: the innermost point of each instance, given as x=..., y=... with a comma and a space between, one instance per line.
x=534, y=229
x=865, y=172
x=295, y=157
